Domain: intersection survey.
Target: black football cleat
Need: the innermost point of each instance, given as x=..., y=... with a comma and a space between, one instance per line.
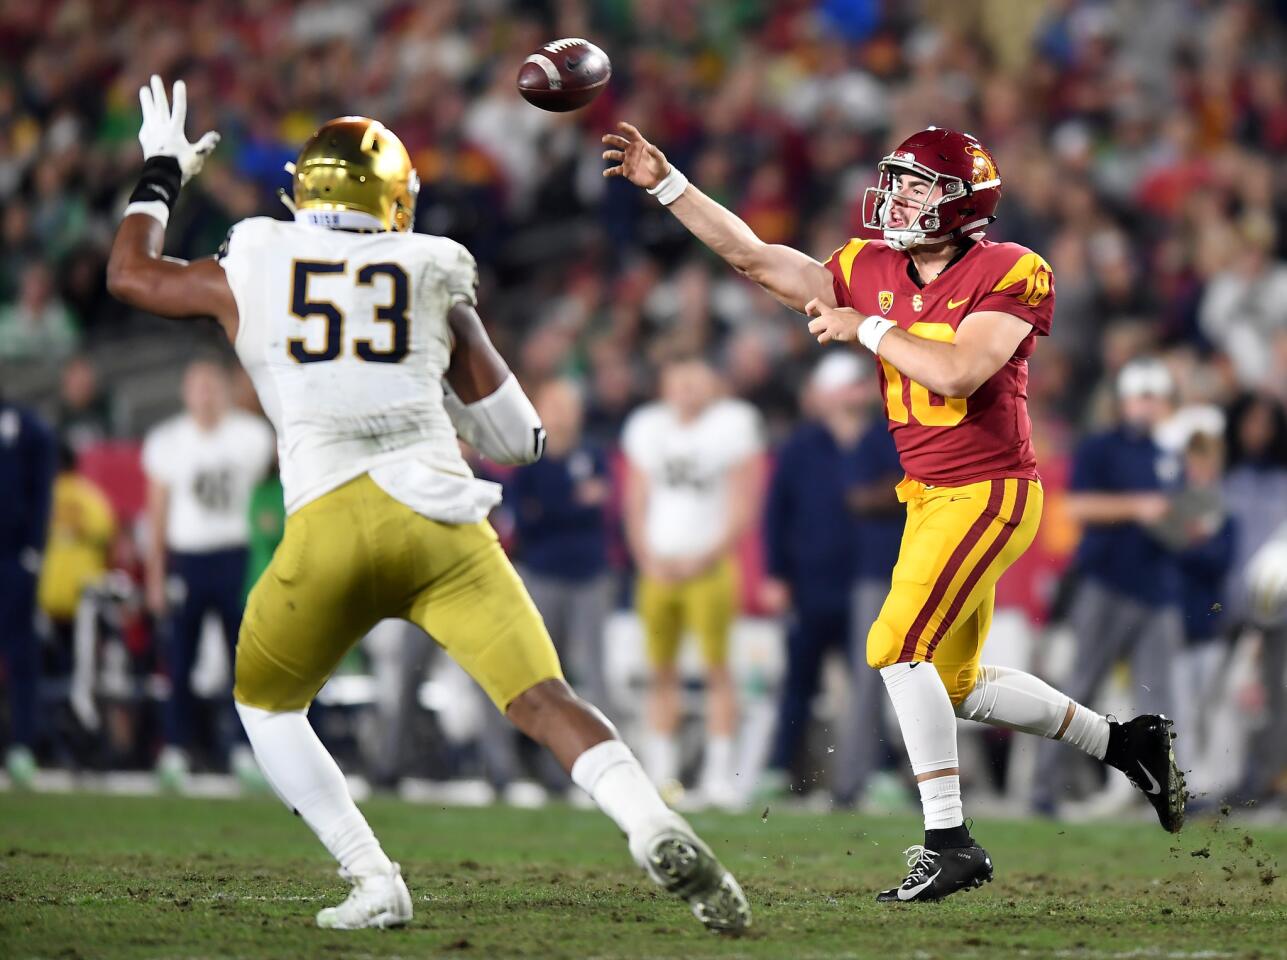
x=1141, y=749
x=936, y=875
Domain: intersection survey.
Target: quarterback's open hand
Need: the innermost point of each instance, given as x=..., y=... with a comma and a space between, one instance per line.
x=636, y=159
x=832, y=323
x=162, y=132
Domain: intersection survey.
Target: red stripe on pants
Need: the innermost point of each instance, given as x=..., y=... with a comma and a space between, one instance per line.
x=949, y=570
x=985, y=561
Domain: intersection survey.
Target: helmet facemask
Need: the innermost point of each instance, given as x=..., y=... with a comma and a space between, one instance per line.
x=925, y=220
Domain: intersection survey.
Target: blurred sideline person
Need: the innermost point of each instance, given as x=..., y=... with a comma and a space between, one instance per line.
x=811, y=543
x=692, y=492
x=559, y=506
x=82, y=526
x=1205, y=564
x=953, y=319
x=1126, y=605
x=28, y=458
x=873, y=500
x=201, y=467
x=369, y=358
x=1255, y=484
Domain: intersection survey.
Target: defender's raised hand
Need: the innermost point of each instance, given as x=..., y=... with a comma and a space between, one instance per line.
x=636, y=159
x=161, y=134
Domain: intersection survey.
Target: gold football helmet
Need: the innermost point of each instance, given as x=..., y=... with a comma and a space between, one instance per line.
x=355, y=163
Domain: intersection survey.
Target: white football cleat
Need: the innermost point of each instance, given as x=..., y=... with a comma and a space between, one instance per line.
x=380, y=901
x=680, y=863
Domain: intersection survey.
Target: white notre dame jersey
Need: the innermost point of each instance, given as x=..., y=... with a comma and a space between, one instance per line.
x=688, y=466
x=345, y=336
x=209, y=476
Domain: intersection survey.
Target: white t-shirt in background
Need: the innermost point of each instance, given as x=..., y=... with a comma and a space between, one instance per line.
x=688, y=467
x=210, y=475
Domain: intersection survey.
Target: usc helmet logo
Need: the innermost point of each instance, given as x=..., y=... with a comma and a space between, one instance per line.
x=984, y=169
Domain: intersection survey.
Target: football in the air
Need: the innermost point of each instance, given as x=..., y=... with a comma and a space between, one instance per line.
x=564, y=75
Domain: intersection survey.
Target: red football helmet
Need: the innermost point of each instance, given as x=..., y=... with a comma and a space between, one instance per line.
x=963, y=167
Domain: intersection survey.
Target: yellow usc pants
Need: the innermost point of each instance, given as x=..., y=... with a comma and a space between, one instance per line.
x=956, y=544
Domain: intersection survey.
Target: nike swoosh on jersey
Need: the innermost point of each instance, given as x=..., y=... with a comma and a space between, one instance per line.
x=909, y=893
x=1154, y=786
x=953, y=304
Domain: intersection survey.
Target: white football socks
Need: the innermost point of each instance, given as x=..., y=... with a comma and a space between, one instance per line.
x=941, y=802
x=928, y=723
x=1019, y=701
x=308, y=780
x=610, y=774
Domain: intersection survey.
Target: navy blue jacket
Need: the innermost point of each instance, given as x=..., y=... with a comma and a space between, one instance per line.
x=813, y=541
x=1204, y=569
x=557, y=536
x=28, y=461
x=880, y=535
x=1122, y=556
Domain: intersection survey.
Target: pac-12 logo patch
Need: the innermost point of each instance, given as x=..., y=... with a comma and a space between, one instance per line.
x=886, y=300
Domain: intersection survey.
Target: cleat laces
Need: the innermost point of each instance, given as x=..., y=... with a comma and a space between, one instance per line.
x=920, y=861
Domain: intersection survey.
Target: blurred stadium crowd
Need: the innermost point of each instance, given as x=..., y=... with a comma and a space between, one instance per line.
x=1140, y=142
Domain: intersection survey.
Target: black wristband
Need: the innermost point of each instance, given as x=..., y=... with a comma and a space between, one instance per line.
x=160, y=180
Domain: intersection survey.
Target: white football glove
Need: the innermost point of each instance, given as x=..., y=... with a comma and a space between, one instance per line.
x=162, y=132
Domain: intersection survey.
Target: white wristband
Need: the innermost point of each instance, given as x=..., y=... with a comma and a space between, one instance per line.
x=156, y=209
x=669, y=187
x=871, y=330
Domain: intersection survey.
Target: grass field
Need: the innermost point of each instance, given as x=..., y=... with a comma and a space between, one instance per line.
x=102, y=877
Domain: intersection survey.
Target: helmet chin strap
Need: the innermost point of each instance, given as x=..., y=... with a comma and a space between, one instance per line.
x=904, y=239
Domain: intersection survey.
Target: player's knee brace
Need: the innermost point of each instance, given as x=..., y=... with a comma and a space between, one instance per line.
x=1016, y=700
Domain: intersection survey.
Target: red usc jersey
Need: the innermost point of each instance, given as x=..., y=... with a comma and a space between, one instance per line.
x=950, y=441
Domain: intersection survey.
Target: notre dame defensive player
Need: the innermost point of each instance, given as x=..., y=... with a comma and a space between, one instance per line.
x=369, y=359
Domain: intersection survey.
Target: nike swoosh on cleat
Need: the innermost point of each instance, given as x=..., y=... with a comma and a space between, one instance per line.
x=1154, y=787
x=909, y=893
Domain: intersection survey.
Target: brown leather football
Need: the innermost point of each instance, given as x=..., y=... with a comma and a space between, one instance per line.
x=564, y=75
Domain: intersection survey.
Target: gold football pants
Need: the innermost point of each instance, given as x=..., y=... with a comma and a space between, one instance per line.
x=957, y=543
x=356, y=556
x=706, y=605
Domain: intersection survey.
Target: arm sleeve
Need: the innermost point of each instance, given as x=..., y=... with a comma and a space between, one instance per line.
x=1026, y=291
x=503, y=426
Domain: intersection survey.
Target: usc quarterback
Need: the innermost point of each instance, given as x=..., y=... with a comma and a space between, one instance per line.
x=952, y=319
x=364, y=346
